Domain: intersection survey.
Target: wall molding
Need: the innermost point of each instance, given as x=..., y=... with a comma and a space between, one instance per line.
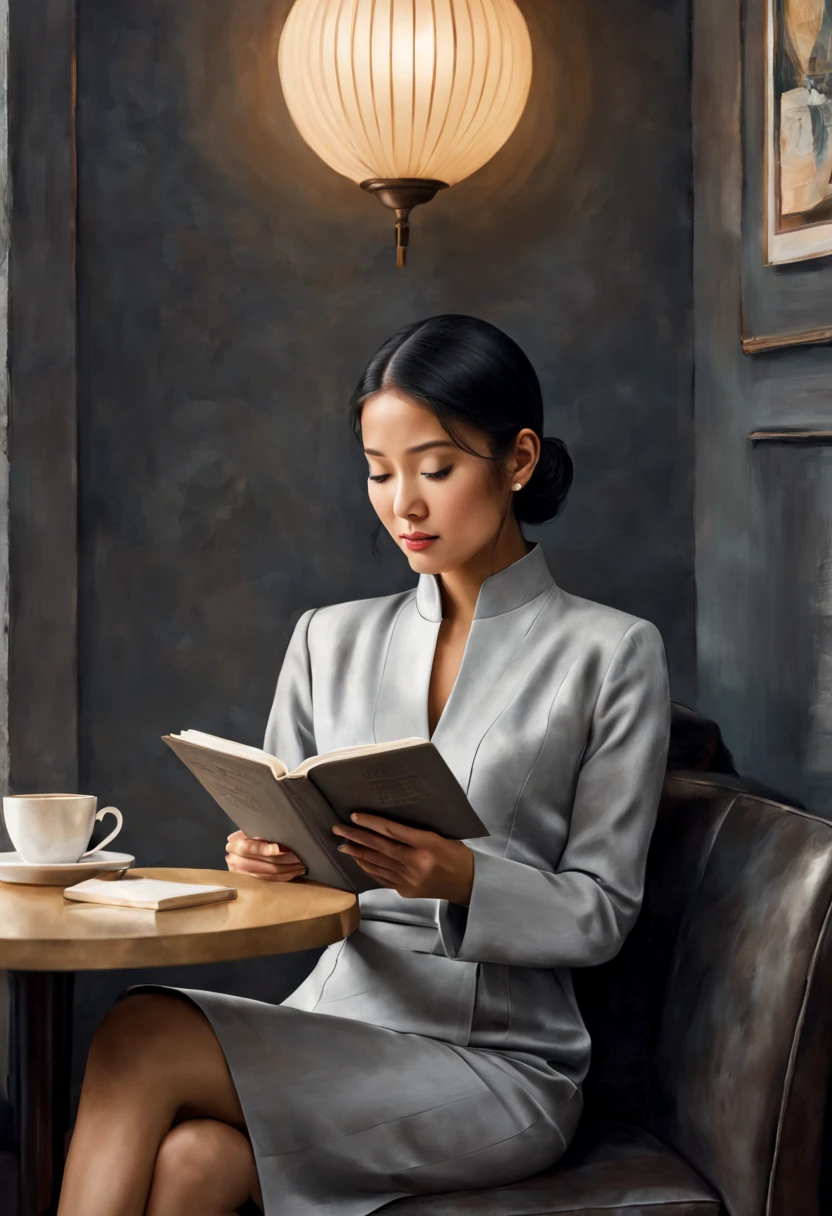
x=809, y=337
x=790, y=435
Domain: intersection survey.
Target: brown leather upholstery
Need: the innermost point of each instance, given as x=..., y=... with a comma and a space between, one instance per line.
x=618, y=1171
x=711, y=1029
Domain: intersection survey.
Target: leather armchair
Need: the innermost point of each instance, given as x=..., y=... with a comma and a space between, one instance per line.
x=711, y=1028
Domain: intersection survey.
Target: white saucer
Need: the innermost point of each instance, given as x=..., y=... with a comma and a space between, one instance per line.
x=14, y=869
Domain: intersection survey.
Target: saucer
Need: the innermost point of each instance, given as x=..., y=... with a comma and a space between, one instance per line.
x=14, y=869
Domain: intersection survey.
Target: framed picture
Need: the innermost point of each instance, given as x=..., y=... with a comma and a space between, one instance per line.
x=798, y=135
x=787, y=174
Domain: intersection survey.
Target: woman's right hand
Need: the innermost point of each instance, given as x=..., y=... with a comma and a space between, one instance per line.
x=262, y=859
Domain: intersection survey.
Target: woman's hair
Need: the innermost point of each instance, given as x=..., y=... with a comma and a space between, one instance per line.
x=466, y=370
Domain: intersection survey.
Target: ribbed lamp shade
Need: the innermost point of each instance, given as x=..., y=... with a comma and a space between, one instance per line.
x=405, y=97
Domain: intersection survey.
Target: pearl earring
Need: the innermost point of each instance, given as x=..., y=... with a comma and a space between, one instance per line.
x=517, y=486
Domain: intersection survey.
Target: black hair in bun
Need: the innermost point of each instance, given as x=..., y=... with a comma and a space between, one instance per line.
x=545, y=492
x=468, y=370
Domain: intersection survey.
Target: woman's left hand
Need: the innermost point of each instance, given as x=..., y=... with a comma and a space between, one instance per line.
x=416, y=864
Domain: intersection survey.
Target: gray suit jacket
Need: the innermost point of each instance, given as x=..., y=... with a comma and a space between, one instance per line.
x=558, y=728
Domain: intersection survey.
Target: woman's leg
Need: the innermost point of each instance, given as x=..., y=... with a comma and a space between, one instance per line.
x=203, y=1168
x=154, y=1060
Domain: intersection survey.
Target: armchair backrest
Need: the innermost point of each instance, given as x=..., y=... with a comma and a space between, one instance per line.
x=712, y=1028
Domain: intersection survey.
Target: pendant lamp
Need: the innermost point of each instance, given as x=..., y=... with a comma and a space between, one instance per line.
x=405, y=97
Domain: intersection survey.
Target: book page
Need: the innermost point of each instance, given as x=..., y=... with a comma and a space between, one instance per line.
x=215, y=743
x=411, y=784
x=278, y=810
x=344, y=753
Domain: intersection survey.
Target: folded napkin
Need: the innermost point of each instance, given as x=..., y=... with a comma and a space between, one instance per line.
x=154, y=893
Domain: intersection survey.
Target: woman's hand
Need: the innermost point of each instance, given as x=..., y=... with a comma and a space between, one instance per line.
x=261, y=859
x=416, y=864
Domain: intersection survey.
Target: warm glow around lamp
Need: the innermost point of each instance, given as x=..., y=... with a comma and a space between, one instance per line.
x=405, y=97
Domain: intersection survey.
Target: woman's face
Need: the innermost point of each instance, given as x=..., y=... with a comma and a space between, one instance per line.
x=422, y=485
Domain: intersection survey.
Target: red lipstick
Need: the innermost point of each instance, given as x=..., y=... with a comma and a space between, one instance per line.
x=418, y=540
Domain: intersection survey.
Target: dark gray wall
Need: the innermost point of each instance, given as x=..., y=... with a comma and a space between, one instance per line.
x=763, y=513
x=43, y=557
x=230, y=289
x=38, y=684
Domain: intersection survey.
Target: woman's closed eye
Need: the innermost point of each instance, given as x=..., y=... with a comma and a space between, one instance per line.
x=380, y=477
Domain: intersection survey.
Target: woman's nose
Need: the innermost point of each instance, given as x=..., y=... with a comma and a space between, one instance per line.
x=408, y=501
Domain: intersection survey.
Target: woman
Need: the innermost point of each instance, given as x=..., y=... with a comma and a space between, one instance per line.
x=440, y=1046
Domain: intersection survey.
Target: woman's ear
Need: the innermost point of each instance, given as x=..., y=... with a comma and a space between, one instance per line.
x=526, y=455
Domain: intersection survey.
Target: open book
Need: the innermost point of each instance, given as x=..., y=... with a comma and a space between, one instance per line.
x=406, y=780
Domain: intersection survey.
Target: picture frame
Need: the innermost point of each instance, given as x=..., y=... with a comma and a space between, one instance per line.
x=786, y=252
x=798, y=130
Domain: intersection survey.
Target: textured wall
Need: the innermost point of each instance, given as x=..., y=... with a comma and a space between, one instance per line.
x=5, y=200
x=5, y=191
x=230, y=289
x=763, y=513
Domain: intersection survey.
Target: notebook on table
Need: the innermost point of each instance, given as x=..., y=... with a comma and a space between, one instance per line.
x=156, y=894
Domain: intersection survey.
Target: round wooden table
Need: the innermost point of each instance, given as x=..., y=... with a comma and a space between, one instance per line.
x=45, y=939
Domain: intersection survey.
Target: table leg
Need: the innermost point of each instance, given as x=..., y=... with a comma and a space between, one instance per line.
x=41, y=1063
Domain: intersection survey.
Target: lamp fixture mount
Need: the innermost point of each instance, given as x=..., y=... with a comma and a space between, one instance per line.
x=402, y=194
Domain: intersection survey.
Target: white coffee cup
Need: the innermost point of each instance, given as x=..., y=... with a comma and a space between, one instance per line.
x=54, y=829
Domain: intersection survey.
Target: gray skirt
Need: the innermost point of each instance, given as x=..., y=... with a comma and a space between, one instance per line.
x=345, y=1116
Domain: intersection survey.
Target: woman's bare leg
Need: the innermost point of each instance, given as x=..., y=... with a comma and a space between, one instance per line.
x=203, y=1168
x=154, y=1060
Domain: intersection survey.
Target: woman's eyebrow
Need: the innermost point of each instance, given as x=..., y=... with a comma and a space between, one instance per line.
x=420, y=447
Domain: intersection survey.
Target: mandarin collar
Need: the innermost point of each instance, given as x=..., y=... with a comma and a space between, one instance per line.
x=502, y=592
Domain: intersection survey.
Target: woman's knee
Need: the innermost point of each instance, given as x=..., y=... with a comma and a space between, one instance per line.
x=163, y=1049
x=189, y=1153
x=203, y=1158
